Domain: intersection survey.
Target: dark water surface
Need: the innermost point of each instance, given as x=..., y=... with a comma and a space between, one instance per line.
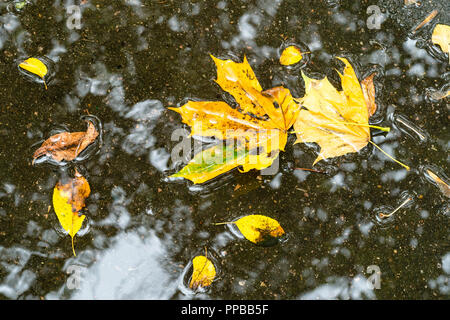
x=129, y=61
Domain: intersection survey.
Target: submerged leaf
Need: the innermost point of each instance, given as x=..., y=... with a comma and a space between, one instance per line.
x=203, y=273
x=291, y=55
x=259, y=229
x=66, y=145
x=68, y=199
x=36, y=67
x=222, y=158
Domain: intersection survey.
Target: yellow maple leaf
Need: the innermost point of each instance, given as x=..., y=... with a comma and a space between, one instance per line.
x=260, y=123
x=68, y=200
x=338, y=121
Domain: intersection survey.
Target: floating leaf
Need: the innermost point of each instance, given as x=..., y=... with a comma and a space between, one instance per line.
x=439, y=94
x=68, y=200
x=330, y=115
x=338, y=121
x=67, y=145
x=259, y=126
x=258, y=229
x=20, y=4
x=36, y=67
x=203, y=273
x=443, y=186
x=369, y=93
x=291, y=55
x=441, y=37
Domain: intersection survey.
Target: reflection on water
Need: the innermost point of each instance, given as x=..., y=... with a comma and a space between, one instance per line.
x=134, y=267
x=128, y=62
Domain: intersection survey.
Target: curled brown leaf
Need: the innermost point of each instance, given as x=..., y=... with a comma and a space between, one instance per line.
x=66, y=145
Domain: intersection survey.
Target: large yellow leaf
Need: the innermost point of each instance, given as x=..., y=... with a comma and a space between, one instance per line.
x=259, y=126
x=336, y=120
x=203, y=273
x=68, y=200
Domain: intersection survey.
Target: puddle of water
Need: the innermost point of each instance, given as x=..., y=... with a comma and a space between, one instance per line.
x=128, y=62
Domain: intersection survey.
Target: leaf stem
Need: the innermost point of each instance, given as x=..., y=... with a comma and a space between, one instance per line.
x=385, y=129
x=390, y=157
x=221, y=223
x=73, y=248
x=399, y=207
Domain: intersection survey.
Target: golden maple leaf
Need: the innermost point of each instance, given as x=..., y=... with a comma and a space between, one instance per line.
x=259, y=125
x=338, y=121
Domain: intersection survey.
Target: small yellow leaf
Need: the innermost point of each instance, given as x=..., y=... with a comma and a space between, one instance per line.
x=291, y=55
x=203, y=274
x=259, y=229
x=36, y=67
x=68, y=200
x=441, y=37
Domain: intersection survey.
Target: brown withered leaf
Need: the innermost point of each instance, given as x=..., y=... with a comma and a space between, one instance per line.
x=66, y=145
x=369, y=93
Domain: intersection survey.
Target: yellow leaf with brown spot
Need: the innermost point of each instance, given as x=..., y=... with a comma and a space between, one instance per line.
x=203, y=273
x=441, y=37
x=291, y=55
x=36, y=67
x=68, y=199
x=259, y=229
